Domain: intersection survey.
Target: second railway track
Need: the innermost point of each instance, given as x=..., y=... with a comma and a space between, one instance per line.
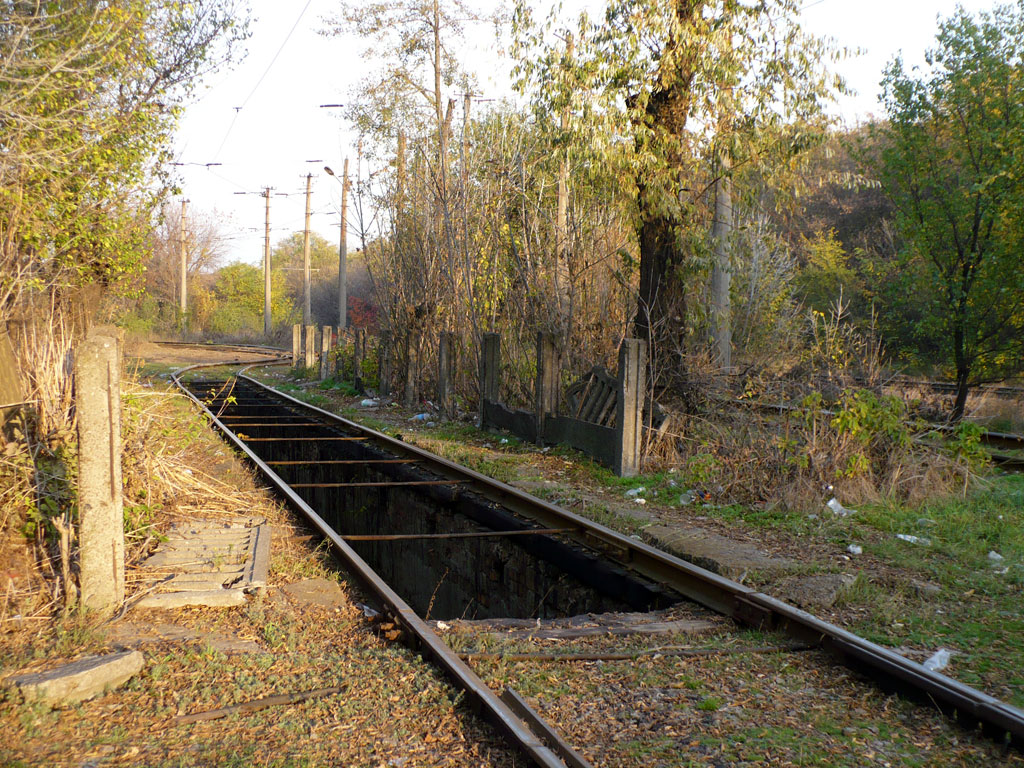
x=504, y=572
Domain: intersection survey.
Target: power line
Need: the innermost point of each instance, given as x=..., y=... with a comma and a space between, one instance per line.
x=238, y=110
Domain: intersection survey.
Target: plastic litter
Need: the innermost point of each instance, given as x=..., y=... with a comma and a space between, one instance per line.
x=640, y=501
x=634, y=492
x=420, y=417
x=855, y=549
x=687, y=498
x=995, y=557
x=908, y=537
x=443, y=625
x=503, y=441
x=838, y=509
x=938, y=660
x=368, y=612
x=369, y=403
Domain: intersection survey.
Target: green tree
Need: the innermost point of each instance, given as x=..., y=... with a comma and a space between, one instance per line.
x=827, y=277
x=286, y=260
x=953, y=164
x=237, y=298
x=679, y=94
x=90, y=94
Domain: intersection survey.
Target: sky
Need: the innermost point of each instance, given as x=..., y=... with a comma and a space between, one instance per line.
x=262, y=120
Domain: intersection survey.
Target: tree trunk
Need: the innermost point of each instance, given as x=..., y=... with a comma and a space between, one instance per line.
x=962, y=388
x=661, y=302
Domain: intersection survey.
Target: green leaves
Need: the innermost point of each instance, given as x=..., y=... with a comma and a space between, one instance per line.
x=951, y=164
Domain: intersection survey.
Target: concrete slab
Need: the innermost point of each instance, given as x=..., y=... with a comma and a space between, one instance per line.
x=79, y=680
x=322, y=593
x=714, y=552
x=813, y=592
x=212, y=598
x=211, y=563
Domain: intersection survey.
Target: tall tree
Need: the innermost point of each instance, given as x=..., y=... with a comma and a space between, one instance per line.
x=663, y=76
x=953, y=164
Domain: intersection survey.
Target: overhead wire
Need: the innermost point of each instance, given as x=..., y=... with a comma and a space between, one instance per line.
x=238, y=109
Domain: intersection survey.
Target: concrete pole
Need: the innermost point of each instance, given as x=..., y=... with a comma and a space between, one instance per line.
x=445, y=364
x=267, y=320
x=343, y=254
x=296, y=344
x=309, y=359
x=490, y=371
x=358, y=352
x=326, y=342
x=307, y=314
x=412, y=343
x=546, y=390
x=183, y=259
x=630, y=408
x=384, y=365
x=100, y=504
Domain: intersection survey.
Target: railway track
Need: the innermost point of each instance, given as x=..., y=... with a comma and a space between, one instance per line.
x=497, y=568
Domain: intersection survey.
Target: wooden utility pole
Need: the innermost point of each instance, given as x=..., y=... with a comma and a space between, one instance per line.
x=183, y=293
x=343, y=254
x=267, y=320
x=306, y=310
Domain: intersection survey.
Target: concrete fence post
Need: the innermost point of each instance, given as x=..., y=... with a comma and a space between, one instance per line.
x=309, y=348
x=630, y=408
x=358, y=351
x=412, y=343
x=546, y=390
x=11, y=393
x=296, y=344
x=445, y=363
x=100, y=504
x=326, y=343
x=490, y=371
x=384, y=365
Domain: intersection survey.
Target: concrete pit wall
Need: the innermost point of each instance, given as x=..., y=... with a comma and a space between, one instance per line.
x=509, y=577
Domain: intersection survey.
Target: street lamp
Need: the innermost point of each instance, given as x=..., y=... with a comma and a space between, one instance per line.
x=342, y=249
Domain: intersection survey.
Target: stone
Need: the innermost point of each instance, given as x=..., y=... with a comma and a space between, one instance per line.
x=79, y=680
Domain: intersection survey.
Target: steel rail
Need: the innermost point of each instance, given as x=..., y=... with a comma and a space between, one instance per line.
x=422, y=636
x=730, y=598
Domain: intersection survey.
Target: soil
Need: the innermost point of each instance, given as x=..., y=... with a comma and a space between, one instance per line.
x=312, y=628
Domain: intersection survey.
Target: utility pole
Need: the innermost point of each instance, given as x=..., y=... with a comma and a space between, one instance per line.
x=343, y=254
x=306, y=310
x=183, y=295
x=267, y=322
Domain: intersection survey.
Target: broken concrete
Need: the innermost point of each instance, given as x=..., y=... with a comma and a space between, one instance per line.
x=730, y=558
x=211, y=564
x=79, y=680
